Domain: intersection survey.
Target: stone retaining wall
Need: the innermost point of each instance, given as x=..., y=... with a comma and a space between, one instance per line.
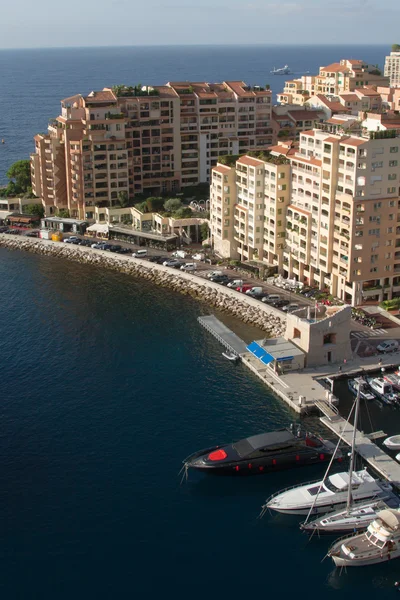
x=239, y=305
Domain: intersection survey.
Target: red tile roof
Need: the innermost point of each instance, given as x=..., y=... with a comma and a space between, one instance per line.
x=250, y=161
x=103, y=96
x=221, y=169
x=335, y=68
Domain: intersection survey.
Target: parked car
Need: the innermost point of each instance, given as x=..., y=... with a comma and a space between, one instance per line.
x=213, y=273
x=291, y=307
x=32, y=234
x=199, y=256
x=172, y=263
x=271, y=298
x=179, y=254
x=235, y=283
x=280, y=303
x=305, y=291
x=115, y=248
x=220, y=278
x=123, y=251
x=155, y=258
x=243, y=288
x=3, y=229
x=388, y=346
x=73, y=239
x=256, y=292
x=140, y=253
x=98, y=245
x=189, y=267
x=86, y=243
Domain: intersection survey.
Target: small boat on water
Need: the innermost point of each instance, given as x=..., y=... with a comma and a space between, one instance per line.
x=231, y=356
x=382, y=389
x=359, y=382
x=282, y=71
x=271, y=451
x=392, y=443
x=380, y=543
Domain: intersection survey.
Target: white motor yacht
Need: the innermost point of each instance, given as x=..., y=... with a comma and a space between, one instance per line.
x=382, y=389
x=359, y=382
x=380, y=543
x=392, y=443
x=322, y=496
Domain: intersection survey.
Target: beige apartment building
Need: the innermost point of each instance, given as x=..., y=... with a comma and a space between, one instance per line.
x=392, y=68
x=332, y=80
x=123, y=141
x=330, y=210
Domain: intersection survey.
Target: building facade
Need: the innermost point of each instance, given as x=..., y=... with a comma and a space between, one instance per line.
x=119, y=142
x=326, y=212
x=392, y=68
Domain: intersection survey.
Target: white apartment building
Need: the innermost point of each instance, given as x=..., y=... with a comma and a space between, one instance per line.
x=392, y=68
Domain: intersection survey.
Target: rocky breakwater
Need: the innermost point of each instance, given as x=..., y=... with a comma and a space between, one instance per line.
x=224, y=299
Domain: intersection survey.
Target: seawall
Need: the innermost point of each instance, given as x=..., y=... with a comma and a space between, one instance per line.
x=235, y=303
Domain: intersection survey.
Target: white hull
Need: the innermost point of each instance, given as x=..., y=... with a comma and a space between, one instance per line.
x=392, y=443
x=374, y=559
x=343, y=521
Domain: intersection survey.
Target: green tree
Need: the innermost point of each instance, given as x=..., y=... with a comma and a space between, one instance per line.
x=395, y=47
x=142, y=206
x=20, y=174
x=34, y=209
x=123, y=199
x=172, y=205
x=204, y=231
x=155, y=203
x=63, y=213
x=183, y=213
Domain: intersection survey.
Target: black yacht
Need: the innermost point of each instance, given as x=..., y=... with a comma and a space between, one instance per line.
x=273, y=451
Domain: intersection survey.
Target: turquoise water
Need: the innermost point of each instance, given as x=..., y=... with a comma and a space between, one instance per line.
x=107, y=383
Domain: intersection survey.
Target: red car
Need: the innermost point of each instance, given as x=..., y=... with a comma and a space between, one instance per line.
x=244, y=288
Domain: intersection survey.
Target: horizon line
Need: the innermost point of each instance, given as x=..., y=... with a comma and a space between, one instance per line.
x=211, y=45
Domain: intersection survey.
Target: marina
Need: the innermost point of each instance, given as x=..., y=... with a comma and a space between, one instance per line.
x=304, y=393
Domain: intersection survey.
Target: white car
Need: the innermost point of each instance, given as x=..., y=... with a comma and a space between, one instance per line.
x=71, y=239
x=291, y=307
x=189, y=267
x=388, y=346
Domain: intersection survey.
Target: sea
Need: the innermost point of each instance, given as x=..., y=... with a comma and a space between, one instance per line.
x=108, y=382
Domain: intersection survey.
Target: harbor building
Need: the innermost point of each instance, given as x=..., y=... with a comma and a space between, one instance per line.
x=108, y=146
x=325, y=211
x=392, y=66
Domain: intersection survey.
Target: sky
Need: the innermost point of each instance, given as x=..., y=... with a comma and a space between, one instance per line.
x=51, y=23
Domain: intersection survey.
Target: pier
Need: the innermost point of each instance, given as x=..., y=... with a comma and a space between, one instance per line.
x=223, y=334
x=382, y=463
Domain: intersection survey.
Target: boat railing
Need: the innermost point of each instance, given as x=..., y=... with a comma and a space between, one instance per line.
x=290, y=487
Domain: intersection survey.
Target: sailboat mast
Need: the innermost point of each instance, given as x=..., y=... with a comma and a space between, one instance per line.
x=353, y=446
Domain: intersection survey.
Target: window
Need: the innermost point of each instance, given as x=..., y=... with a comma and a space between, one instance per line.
x=373, y=232
x=391, y=190
x=388, y=268
x=377, y=165
x=392, y=203
x=394, y=149
x=389, y=230
x=373, y=270
x=393, y=163
x=377, y=205
x=375, y=219
x=392, y=176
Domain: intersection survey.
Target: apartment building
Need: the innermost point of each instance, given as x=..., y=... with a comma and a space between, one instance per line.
x=392, y=67
x=248, y=203
x=332, y=80
x=124, y=141
x=331, y=212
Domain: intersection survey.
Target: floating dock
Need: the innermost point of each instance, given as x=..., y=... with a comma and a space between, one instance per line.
x=224, y=335
x=386, y=466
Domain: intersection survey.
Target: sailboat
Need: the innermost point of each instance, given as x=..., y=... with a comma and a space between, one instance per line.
x=334, y=491
x=355, y=516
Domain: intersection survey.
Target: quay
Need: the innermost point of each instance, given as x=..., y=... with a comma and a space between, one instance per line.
x=223, y=334
x=382, y=463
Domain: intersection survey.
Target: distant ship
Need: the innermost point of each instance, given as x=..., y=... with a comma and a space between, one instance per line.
x=282, y=71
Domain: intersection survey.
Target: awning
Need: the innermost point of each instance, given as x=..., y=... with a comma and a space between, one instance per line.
x=264, y=356
x=99, y=227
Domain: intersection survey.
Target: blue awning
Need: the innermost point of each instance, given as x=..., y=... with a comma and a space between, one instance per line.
x=285, y=358
x=256, y=349
x=267, y=358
